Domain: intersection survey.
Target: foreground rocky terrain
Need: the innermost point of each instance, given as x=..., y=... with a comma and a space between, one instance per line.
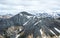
x=25, y=25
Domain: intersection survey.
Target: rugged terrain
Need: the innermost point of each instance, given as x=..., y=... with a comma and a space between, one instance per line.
x=25, y=25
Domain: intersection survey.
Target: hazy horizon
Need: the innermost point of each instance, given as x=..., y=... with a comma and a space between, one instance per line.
x=16, y=6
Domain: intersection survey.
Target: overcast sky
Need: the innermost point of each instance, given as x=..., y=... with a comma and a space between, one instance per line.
x=16, y=6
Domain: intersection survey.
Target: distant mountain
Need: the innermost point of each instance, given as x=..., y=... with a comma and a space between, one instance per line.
x=6, y=16
x=43, y=15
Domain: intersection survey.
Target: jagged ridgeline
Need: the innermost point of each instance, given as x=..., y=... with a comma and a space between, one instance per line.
x=33, y=26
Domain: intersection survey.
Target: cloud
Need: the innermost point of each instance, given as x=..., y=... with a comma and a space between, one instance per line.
x=14, y=6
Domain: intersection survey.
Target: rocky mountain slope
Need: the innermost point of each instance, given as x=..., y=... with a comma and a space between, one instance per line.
x=31, y=24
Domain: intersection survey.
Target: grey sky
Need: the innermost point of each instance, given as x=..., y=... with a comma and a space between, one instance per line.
x=15, y=6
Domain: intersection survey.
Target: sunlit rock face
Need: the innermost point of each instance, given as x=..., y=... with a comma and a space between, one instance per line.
x=13, y=31
x=25, y=25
